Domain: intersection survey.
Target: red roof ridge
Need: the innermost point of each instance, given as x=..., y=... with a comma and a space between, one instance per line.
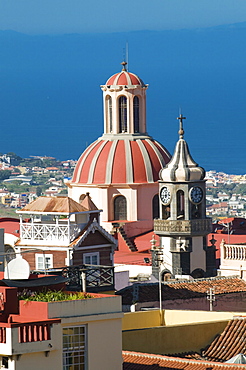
x=166, y=361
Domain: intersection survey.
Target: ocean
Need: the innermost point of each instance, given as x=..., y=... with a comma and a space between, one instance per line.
x=51, y=101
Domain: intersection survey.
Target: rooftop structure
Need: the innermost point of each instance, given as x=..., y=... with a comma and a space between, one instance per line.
x=121, y=168
x=61, y=334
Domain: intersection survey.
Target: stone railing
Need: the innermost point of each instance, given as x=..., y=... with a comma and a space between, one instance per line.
x=2, y=335
x=34, y=332
x=183, y=227
x=234, y=252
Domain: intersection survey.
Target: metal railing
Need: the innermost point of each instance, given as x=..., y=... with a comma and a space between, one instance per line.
x=89, y=278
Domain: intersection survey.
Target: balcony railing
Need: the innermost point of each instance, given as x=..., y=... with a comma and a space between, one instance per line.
x=96, y=278
x=235, y=252
x=183, y=227
x=29, y=331
x=2, y=335
x=37, y=232
x=34, y=332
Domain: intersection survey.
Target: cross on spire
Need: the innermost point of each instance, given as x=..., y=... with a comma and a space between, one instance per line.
x=181, y=130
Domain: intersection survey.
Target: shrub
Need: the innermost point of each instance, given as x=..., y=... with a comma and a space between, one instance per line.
x=52, y=296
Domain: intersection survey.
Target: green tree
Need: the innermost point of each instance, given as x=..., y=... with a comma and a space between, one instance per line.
x=4, y=174
x=39, y=191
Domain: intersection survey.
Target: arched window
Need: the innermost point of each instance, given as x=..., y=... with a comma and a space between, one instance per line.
x=136, y=113
x=109, y=113
x=122, y=114
x=120, y=208
x=155, y=207
x=180, y=204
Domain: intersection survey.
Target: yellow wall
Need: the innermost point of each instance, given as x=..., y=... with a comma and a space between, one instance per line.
x=172, y=339
x=141, y=319
x=178, y=317
x=182, y=330
x=149, y=319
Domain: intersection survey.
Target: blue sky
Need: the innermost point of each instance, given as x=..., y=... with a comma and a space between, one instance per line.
x=78, y=16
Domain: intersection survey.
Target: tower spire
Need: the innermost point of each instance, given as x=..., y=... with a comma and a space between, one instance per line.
x=181, y=130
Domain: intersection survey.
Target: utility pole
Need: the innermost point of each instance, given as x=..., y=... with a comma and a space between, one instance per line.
x=211, y=298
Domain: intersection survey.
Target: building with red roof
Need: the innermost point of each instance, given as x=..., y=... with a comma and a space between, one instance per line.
x=121, y=168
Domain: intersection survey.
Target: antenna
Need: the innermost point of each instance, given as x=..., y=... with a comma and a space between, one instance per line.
x=127, y=55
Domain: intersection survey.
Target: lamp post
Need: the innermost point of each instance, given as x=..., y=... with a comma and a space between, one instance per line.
x=157, y=258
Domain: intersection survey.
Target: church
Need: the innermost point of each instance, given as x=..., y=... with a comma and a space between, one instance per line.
x=139, y=187
x=120, y=170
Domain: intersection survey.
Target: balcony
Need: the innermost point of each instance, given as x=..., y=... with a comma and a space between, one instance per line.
x=55, y=234
x=197, y=227
x=234, y=252
x=18, y=338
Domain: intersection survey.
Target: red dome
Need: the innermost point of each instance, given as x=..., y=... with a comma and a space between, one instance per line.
x=121, y=162
x=124, y=78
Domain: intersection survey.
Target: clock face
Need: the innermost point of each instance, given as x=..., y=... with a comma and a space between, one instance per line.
x=196, y=194
x=165, y=195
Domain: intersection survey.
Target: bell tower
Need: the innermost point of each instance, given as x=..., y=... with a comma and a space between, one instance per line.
x=124, y=100
x=183, y=225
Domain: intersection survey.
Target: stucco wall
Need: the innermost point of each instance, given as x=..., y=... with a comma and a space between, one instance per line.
x=172, y=339
x=150, y=319
x=38, y=361
x=105, y=345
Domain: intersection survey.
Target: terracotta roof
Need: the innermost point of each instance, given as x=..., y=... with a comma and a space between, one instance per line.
x=222, y=285
x=124, y=78
x=145, y=361
x=131, y=258
x=229, y=343
x=219, y=205
x=181, y=289
x=227, y=220
x=121, y=161
x=53, y=204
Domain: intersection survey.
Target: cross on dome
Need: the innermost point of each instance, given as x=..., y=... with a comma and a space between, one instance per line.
x=181, y=130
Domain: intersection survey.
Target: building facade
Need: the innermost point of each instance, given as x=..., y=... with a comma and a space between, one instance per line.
x=120, y=170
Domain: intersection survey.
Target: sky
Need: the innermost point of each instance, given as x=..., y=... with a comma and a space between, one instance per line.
x=78, y=16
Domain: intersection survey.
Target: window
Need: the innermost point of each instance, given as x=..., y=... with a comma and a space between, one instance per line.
x=109, y=114
x=120, y=209
x=74, y=348
x=44, y=261
x=122, y=114
x=180, y=205
x=91, y=258
x=5, y=362
x=136, y=113
x=155, y=207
